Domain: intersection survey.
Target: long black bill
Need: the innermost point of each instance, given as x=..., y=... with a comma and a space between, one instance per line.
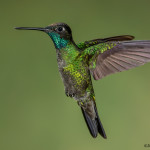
x=31, y=28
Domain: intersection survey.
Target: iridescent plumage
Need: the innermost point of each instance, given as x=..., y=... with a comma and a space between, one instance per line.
x=99, y=57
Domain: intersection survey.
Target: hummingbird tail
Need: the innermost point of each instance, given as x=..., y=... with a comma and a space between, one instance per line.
x=99, y=125
x=94, y=125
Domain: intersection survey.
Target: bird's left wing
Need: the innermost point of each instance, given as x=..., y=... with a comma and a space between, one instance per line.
x=89, y=43
x=111, y=57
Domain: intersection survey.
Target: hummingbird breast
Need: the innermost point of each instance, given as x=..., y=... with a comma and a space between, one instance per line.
x=77, y=81
x=76, y=77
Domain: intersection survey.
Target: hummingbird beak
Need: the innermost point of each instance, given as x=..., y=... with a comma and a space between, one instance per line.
x=32, y=28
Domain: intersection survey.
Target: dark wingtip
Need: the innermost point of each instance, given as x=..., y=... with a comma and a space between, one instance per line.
x=130, y=37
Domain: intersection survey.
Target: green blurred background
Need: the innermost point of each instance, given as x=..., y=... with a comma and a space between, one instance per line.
x=35, y=114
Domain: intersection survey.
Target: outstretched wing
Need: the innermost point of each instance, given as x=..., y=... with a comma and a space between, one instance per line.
x=116, y=57
x=87, y=44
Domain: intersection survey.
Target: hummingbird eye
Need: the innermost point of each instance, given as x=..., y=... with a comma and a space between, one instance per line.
x=59, y=29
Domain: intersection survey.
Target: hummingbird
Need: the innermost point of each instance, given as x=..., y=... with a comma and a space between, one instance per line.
x=98, y=58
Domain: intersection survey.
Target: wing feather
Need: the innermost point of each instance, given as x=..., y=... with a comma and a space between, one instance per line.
x=87, y=44
x=123, y=56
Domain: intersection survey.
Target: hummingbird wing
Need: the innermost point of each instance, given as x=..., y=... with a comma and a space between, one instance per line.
x=87, y=44
x=112, y=57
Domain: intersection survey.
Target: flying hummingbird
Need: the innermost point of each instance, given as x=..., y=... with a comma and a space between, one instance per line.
x=99, y=58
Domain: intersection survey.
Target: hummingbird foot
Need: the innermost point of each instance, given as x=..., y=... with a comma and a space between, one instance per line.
x=69, y=94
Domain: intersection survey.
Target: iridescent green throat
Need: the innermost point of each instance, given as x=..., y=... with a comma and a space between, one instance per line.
x=58, y=41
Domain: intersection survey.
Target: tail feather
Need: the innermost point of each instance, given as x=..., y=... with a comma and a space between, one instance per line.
x=94, y=125
x=91, y=124
x=100, y=126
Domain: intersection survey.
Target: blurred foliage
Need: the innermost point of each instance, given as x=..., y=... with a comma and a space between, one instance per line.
x=35, y=113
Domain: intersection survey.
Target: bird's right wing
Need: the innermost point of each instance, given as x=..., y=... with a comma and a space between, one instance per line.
x=112, y=57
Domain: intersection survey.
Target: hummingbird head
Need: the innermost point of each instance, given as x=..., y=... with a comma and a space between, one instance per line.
x=62, y=29
x=60, y=33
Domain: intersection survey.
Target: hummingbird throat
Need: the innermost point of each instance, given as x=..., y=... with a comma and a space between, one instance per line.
x=58, y=41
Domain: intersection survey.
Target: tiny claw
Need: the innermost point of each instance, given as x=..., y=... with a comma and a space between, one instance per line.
x=73, y=95
x=67, y=94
